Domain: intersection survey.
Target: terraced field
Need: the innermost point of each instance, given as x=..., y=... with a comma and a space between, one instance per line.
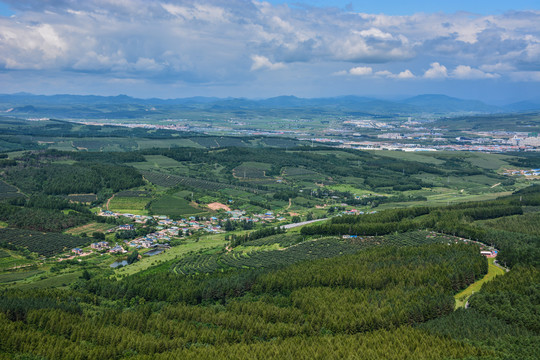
x=173, y=206
x=251, y=170
x=47, y=244
x=8, y=191
x=129, y=204
x=89, y=229
x=82, y=198
x=310, y=250
x=167, y=180
x=256, y=254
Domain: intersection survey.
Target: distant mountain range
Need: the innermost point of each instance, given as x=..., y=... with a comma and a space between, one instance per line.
x=126, y=106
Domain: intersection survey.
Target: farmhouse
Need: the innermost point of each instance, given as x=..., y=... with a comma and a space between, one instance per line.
x=100, y=245
x=116, y=249
x=489, y=254
x=126, y=227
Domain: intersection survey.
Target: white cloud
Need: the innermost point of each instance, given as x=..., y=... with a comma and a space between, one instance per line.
x=262, y=62
x=406, y=74
x=384, y=73
x=361, y=71
x=436, y=71
x=213, y=41
x=197, y=12
x=497, y=67
x=376, y=33
x=466, y=72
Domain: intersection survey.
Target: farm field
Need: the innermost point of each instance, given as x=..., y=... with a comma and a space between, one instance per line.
x=133, y=205
x=190, y=246
x=251, y=170
x=9, y=277
x=423, y=157
x=47, y=244
x=10, y=260
x=89, y=229
x=8, y=191
x=83, y=198
x=55, y=281
x=286, y=249
x=390, y=277
x=490, y=161
x=173, y=206
x=463, y=296
x=161, y=163
x=350, y=188
x=299, y=173
x=169, y=180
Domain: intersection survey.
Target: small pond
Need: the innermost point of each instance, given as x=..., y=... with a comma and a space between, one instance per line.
x=154, y=252
x=119, y=263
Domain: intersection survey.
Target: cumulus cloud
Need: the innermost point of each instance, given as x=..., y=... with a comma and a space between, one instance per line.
x=262, y=62
x=405, y=74
x=376, y=34
x=212, y=41
x=361, y=71
x=436, y=71
x=497, y=67
x=384, y=73
x=467, y=72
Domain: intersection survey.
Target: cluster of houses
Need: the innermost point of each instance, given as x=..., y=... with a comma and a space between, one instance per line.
x=240, y=215
x=357, y=212
x=100, y=246
x=159, y=238
x=190, y=224
x=168, y=228
x=532, y=172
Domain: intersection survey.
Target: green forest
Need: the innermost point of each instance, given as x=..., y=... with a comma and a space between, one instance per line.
x=279, y=251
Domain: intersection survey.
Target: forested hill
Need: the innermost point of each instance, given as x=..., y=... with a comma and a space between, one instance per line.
x=180, y=253
x=72, y=106
x=518, y=246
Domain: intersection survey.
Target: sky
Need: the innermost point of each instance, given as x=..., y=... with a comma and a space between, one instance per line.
x=485, y=50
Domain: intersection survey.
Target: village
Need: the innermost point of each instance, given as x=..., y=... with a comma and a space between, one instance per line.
x=166, y=229
x=523, y=172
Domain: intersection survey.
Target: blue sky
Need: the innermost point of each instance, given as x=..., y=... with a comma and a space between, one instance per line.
x=487, y=50
x=397, y=7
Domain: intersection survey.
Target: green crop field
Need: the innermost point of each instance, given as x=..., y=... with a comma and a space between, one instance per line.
x=162, y=163
x=251, y=170
x=83, y=198
x=8, y=191
x=17, y=276
x=190, y=246
x=129, y=204
x=298, y=171
x=61, y=280
x=463, y=296
x=490, y=161
x=89, y=229
x=173, y=206
x=13, y=261
x=47, y=244
x=423, y=157
x=286, y=249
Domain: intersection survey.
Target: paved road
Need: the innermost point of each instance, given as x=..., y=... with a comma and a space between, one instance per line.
x=290, y=226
